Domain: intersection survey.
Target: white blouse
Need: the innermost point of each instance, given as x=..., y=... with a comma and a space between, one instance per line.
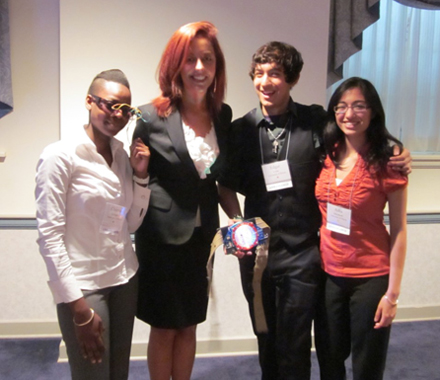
x=202, y=150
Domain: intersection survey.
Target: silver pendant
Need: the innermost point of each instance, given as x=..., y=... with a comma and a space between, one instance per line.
x=275, y=145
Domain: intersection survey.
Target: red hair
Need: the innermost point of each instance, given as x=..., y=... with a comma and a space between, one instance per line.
x=172, y=61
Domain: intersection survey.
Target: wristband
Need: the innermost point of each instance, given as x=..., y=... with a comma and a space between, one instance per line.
x=390, y=302
x=237, y=217
x=86, y=322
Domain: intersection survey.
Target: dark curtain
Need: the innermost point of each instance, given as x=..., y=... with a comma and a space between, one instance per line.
x=6, y=103
x=348, y=19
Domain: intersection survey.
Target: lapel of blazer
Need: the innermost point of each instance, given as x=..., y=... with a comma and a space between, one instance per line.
x=219, y=131
x=221, y=134
x=173, y=125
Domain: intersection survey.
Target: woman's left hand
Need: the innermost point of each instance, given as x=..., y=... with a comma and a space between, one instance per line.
x=139, y=158
x=385, y=313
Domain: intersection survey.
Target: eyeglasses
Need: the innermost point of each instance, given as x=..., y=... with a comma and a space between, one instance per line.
x=111, y=106
x=357, y=108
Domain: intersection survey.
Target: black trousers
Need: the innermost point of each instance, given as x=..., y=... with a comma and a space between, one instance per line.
x=347, y=324
x=291, y=286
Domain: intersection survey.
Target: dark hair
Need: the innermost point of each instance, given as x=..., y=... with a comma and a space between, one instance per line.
x=171, y=64
x=113, y=75
x=282, y=54
x=377, y=135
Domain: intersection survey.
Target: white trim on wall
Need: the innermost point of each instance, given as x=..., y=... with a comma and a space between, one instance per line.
x=424, y=161
x=205, y=347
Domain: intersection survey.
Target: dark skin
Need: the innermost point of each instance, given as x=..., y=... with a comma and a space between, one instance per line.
x=89, y=335
x=103, y=126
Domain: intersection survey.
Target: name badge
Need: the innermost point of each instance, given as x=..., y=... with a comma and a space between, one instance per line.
x=113, y=220
x=338, y=219
x=277, y=175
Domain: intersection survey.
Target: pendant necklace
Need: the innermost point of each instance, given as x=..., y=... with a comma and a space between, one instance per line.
x=275, y=143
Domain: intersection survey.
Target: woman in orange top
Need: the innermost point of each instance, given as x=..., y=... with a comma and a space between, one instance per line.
x=363, y=262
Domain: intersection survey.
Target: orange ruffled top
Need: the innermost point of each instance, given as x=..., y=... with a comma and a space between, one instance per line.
x=365, y=252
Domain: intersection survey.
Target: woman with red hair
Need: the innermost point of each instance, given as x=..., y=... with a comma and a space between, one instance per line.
x=185, y=128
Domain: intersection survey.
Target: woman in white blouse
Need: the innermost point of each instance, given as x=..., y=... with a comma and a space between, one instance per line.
x=185, y=129
x=90, y=196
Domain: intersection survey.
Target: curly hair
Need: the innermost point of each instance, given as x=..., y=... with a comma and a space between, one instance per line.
x=282, y=54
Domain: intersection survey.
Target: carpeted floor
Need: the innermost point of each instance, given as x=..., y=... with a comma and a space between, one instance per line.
x=413, y=355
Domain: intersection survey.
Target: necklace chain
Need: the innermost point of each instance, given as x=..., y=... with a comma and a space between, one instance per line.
x=275, y=143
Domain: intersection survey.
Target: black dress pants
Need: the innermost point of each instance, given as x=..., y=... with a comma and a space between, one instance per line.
x=347, y=320
x=290, y=289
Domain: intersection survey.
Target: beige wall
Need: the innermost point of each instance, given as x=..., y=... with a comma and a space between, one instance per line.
x=243, y=27
x=34, y=28
x=424, y=185
x=42, y=53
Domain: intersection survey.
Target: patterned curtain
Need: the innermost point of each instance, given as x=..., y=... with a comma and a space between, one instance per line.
x=6, y=103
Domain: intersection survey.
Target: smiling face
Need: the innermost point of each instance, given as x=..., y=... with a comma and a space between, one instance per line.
x=198, y=71
x=355, y=121
x=105, y=123
x=272, y=89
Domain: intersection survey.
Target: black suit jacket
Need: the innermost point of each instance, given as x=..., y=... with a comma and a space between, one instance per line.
x=176, y=188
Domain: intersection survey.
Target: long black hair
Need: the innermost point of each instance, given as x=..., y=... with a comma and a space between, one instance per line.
x=378, y=138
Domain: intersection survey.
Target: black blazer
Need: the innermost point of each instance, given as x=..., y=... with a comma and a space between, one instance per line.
x=176, y=188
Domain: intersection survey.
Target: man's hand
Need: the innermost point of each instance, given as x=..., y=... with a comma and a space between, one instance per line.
x=401, y=161
x=238, y=253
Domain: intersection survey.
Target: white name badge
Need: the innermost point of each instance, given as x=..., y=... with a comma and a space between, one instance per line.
x=277, y=175
x=113, y=220
x=338, y=219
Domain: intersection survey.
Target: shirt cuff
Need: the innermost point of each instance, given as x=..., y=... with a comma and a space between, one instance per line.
x=141, y=181
x=141, y=196
x=65, y=290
